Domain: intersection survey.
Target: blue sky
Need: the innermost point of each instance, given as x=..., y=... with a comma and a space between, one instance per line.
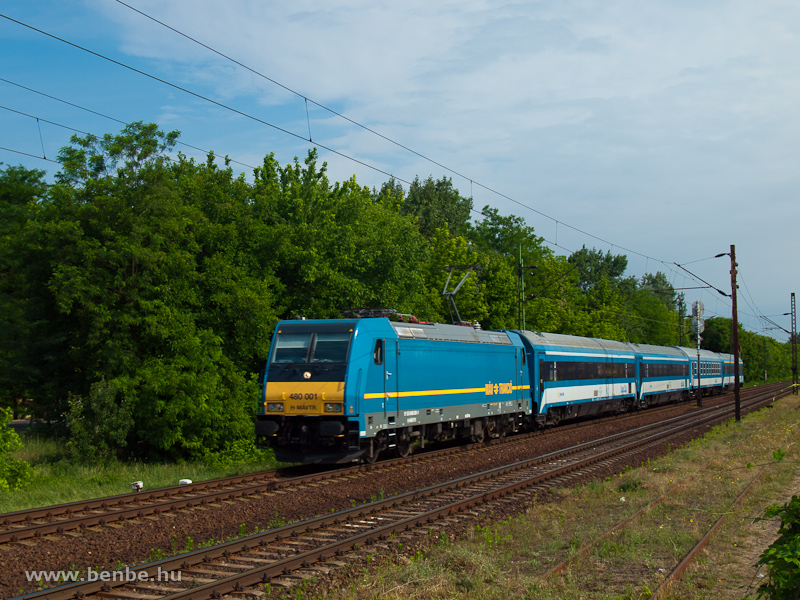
x=666, y=131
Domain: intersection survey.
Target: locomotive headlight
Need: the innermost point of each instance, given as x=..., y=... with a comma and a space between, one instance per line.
x=333, y=408
x=275, y=407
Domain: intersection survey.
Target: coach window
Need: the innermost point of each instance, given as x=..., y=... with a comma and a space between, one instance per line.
x=378, y=354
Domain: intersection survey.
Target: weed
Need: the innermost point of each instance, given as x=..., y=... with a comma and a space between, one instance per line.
x=275, y=521
x=157, y=554
x=631, y=485
x=596, y=486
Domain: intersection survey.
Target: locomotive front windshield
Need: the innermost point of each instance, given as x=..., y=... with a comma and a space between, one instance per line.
x=310, y=347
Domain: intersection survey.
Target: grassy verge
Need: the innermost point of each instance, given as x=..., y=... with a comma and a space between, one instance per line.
x=59, y=480
x=511, y=559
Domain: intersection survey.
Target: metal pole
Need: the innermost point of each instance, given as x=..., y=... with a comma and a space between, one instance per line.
x=520, y=284
x=699, y=389
x=735, y=313
x=794, y=346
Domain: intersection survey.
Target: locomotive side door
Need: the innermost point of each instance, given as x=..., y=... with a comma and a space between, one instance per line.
x=391, y=380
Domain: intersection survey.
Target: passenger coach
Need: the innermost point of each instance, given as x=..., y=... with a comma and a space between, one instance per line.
x=578, y=376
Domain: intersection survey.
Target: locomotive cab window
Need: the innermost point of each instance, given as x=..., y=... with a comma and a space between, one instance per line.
x=378, y=353
x=309, y=345
x=330, y=347
x=291, y=348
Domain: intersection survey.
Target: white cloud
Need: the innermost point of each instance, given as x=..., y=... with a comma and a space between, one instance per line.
x=667, y=127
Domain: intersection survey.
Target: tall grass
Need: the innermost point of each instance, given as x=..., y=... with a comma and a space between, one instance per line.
x=59, y=480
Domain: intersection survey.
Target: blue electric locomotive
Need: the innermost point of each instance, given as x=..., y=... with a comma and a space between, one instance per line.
x=337, y=391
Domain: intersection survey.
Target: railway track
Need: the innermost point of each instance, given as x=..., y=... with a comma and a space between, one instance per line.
x=311, y=547
x=37, y=523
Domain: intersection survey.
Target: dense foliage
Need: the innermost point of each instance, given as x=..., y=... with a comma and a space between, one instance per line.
x=14, y=473
x=139, y=290
x=783, y=555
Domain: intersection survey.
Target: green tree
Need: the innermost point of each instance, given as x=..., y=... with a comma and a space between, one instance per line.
x=239, y=296
x=660, y=286
x=20, y=191
x=436, y=204
x=593, y=267
x=446, y=252
x=761, y=354
x=557, y=296
x=504, y=241
x=335, y=247
x=126, y=292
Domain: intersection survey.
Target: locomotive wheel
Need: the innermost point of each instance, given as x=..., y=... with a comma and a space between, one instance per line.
x=403, y=447
x=372, y=455
x=376, y=444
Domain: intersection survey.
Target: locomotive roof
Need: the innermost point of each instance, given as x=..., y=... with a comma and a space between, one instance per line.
x=449, y=333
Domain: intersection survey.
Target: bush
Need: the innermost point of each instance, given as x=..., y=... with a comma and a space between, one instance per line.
x=98, y=426
x=783, y=556
x=236, y=453
x=14, y=473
